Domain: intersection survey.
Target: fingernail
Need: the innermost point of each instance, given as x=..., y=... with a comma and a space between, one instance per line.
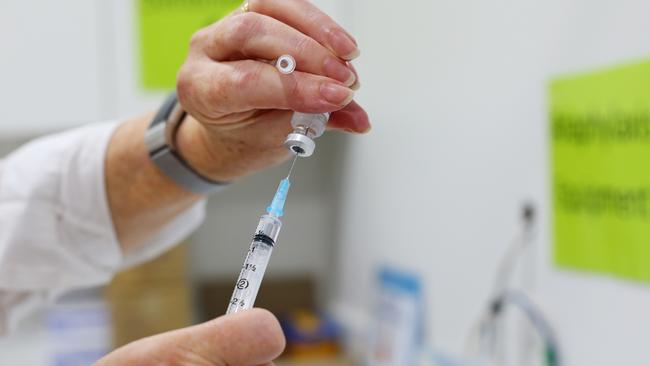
x=359, y=131
x=338, y=71
x=336, y=94
x=357, y=82
x=352, y=38
x=353, y=56
x=344, y=45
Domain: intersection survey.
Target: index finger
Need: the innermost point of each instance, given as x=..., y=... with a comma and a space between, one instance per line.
x=310, y=20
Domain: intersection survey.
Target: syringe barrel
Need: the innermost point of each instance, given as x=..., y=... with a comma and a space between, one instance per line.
x=257, y=259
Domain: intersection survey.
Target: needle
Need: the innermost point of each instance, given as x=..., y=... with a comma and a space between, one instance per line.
x=292, y=165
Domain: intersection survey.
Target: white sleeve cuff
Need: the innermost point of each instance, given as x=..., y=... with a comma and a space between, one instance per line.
x=56, y=232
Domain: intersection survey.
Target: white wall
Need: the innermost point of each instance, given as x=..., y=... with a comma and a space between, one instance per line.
x=49, y=63
x=457, y=93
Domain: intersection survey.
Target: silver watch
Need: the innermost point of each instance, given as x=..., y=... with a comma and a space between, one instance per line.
x=160, y=140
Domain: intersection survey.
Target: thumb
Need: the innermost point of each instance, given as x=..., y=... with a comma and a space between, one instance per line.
x=248, y=338
x=245, y=339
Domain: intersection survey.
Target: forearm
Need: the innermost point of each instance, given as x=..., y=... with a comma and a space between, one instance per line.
x=141, y=198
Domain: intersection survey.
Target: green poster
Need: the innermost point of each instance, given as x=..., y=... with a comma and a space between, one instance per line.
x=165, y=28
x=600, y=133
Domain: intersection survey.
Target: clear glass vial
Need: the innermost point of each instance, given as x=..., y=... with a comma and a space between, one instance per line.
x=306, y=128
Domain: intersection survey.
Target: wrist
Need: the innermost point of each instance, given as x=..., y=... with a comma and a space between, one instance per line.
x=204, y=151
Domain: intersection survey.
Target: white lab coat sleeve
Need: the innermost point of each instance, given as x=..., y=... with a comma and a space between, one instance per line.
x=56, y=232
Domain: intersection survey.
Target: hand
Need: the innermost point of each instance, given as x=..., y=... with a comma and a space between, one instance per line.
x=251, y=338
x=242, y=106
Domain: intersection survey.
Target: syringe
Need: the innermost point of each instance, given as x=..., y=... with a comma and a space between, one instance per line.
x=300, y=142
x=259, y=254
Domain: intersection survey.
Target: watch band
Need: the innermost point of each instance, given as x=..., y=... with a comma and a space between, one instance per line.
x=160, y=141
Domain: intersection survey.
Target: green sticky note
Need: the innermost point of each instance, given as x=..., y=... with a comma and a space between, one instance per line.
x=165, y=29
x=600, y=133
